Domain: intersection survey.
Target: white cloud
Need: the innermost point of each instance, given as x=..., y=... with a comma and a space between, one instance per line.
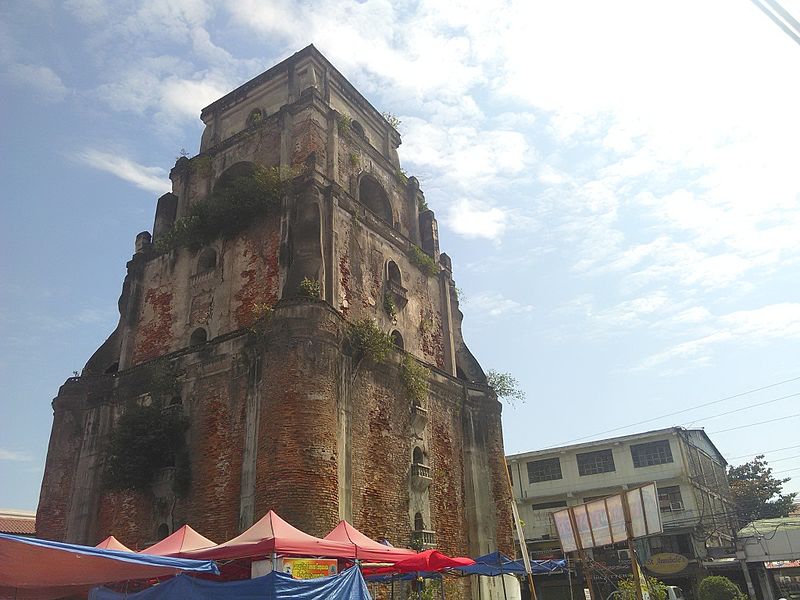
x=472, y=220
x=745, y=327
x=43, y=80
x=152, y=179
x=494, y=304
x=13, y=456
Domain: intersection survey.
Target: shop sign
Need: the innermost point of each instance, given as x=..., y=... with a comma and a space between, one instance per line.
x=666, y=563
x=782, y=564
x=309, y=568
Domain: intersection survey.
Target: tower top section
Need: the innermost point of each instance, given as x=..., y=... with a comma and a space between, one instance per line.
x=286, y=83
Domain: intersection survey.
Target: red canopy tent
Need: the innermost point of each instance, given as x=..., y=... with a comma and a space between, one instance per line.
x=112, y=543
x=274, y=535
x=367, y=548
x=429, y=560
x=181, y=541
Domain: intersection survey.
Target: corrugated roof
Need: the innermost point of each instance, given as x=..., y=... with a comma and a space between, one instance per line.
x=17, y=525
x=769, y=526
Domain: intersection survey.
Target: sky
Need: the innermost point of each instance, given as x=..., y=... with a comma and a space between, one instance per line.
x=616, y=183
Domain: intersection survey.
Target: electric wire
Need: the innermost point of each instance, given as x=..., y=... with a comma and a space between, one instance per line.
x=685, y=410
x=735, y=410
x=764, y=452
x=754, y=424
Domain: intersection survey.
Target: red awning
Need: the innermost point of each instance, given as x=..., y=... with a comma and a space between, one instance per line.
x=34, y=568
x=429, y=560
x=273, y=534
x=367, y=548
x=112, y=543
x=181, y=541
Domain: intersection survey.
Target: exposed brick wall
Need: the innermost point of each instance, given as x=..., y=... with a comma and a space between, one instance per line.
x=128, y=516
x=216, y=442
x=381, y=455
x=501, y=490
x=447, y=488
x=258, y=281
x=155, y=331
x=59, y=472
x=297, y=473
x=309, y=138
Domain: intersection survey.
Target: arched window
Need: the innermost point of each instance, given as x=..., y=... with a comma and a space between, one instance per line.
x=256, y=116
x=373, y=196
x=397, y=339
x=419, y=522
x=112, y=368
x=232, y=173
x=207, y=260
x=393, y=273
x=358, y=129
x=419, y=456
x=199, y=336
x=162, y=531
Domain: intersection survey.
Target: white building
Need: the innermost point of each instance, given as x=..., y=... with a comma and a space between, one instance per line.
x=689, y=471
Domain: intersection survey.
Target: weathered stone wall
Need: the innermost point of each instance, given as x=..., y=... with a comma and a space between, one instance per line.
x=282, y=417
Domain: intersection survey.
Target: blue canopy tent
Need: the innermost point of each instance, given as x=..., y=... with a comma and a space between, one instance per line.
x=348, y=585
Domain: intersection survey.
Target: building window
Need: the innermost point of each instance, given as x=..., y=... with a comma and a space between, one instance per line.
x=651, y=453
x=373, y=196
x=419, y=522
x=547, y=469
x=669, y=498
x=549, y=505
x=397, y=339
x=592, y=463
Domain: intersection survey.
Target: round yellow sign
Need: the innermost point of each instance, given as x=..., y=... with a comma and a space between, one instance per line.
x=666, y=563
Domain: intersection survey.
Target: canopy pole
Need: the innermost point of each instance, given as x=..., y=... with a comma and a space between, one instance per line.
x=441, y=585
x=274, y=561
x=391, y=578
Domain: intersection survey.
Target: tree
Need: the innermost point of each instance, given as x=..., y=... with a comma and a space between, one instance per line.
x=717, y=587
x=505, y=386
x=757, y=493
x=627, y=588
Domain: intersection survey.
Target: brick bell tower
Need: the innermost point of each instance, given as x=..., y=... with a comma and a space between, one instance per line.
x=245, y=332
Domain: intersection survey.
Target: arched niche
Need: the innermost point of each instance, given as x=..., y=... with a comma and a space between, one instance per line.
x=358, y=129
x=397, y=339
x=419, y=522
x=418, y=456
x=207, y=261
x=162, y=531
x=393, y=273
x=372, y=195
x=199, y=336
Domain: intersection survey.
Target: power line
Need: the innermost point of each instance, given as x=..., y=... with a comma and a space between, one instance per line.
x=685, y=410
x=728, y=412
x=765, y=452
x=754, y=424
x=782, y=19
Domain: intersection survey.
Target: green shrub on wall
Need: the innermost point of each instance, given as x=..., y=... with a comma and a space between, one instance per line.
x=310, y=288
x=227, y=211
x=415, y=380
x=144, y=440
x=366, y=340
x=424, y=263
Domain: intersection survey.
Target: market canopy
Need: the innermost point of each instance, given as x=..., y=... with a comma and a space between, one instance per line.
x=498, y=563
x=181, y=541
x=273, y=534
x=429, y=560
x=348, y=585
x=32, y=568
x=365, y=547
x=112, y=543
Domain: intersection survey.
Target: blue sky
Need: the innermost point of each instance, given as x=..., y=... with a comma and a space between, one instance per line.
x=616, y=183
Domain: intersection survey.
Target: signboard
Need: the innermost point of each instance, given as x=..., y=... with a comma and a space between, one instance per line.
x=602, y=522
x=782, y=564
x=309, y=568
x=666, y=563
x=299, y=568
